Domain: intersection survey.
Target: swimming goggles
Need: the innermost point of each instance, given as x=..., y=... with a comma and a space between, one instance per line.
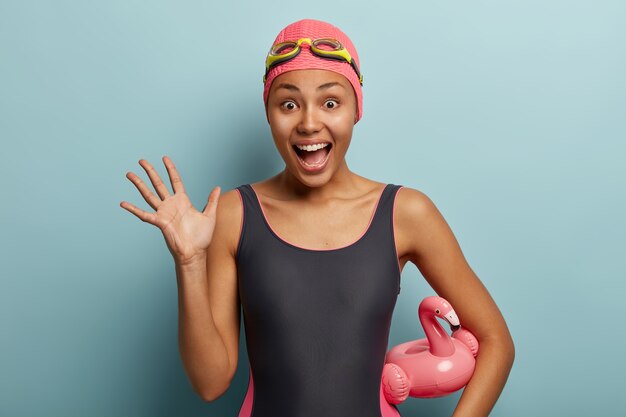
x=324, y=48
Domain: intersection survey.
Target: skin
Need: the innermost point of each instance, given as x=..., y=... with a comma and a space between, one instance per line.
x=204, y=243
x=313, y=104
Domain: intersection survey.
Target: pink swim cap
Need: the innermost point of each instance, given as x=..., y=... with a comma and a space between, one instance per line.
x=315, y=29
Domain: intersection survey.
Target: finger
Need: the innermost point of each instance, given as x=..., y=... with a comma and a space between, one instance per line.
x=177, y=183
x=211, y=205
x=159, y=186
x=143, y=215
x=150, y=198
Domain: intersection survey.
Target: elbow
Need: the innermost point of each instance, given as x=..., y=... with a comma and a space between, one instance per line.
x=507, y=353
x=213, y=393
x=502, y=344
x=508, y=347
x=209, y=397
x=511, y=350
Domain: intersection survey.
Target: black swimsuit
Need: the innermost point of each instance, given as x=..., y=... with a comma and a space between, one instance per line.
x=317, y=321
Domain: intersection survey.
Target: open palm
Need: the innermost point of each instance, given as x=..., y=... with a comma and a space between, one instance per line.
x=187, y=231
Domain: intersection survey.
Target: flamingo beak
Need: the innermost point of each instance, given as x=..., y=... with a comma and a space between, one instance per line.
x=452, y=318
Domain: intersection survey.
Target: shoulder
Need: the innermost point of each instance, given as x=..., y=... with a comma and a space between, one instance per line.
x=229, y=219
x=412, y=205
x=417, y=221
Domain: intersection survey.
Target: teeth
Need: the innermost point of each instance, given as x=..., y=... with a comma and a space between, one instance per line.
x=311, y=148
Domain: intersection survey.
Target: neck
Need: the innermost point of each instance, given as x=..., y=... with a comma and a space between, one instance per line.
x=320, y=189
x=439, y=341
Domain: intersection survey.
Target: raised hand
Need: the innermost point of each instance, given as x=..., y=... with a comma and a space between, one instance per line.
x=187, y=231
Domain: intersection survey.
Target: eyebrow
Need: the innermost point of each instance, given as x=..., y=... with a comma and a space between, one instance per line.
x=325, y=86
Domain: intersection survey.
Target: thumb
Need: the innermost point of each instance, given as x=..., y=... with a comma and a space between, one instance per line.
x=211, y=205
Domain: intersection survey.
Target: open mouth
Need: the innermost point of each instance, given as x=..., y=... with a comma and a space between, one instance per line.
x=313, y=156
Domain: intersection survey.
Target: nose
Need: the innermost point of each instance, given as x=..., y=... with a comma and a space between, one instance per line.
x=309, y=122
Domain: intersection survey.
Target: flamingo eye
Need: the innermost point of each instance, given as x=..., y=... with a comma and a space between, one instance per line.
x=437, y=311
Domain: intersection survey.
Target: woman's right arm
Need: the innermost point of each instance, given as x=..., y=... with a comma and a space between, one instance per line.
x=203, y=245
x=209, y=306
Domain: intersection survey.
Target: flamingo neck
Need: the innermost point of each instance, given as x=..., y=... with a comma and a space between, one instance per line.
x=440, y=344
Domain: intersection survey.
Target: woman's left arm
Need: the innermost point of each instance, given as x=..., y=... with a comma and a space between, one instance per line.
x=426, y=240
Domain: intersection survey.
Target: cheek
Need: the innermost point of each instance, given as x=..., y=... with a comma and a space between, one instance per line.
x=343, y=124
x=277, y=123
x=280, y=127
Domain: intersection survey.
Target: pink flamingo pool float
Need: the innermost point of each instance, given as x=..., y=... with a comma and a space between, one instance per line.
x=435, y=366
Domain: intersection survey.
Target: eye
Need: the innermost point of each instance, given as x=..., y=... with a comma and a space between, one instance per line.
x=288, y=105
x=331, y=103
x=437, y=311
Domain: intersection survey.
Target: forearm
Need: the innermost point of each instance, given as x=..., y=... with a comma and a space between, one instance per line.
x=493, y=364
x=202, y=349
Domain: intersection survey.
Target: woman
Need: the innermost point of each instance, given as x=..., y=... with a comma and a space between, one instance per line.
x=313, y=255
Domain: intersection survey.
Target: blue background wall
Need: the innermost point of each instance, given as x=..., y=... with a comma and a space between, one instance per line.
x=510, y=115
